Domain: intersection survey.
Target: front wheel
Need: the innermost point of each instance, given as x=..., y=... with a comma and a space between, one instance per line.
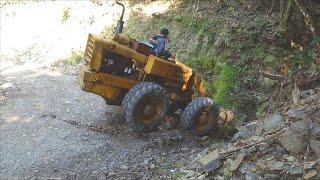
x=145, y=106
x=200, y=116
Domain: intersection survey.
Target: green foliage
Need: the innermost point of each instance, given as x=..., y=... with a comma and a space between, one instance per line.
x=65, y=14
x=178, y=175
x=227, y=170
x=225, y=83
x=280, y=36
x=226, y=46
x=259, y=52
x=201, y=63
x=193, y=23
x=179, y=164
x=225, y=35
x=107, y=32
x=205, y=63
x=261, y=21
x=301, y=59
x=283, y=34
x=75, y=57
x=261, y=110
x=133, y=2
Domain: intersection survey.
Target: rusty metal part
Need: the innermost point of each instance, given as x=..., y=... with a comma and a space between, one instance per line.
x=148, y=109
x=205, y=119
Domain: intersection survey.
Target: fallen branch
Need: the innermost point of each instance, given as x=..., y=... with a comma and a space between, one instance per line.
x=272, y=76
x=309, y=18
x=211, y=161
x=226, y=153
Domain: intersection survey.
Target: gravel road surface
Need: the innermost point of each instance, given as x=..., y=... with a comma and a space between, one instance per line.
x=50, y=128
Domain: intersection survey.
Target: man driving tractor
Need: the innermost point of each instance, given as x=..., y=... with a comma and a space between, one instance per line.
x=147, y=83
x=159, y=42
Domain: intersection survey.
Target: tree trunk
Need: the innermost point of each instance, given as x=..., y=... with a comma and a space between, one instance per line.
x=309, y=17
x=272, y=7
x=283, y=25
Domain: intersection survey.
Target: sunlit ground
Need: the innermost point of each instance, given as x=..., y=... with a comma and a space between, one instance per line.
x=37, y=32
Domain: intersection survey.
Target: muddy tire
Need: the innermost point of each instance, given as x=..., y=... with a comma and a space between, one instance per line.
x=200, y=116
x=145, y=106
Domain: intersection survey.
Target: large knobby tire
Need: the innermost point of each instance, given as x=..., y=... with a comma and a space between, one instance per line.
x=200, y=116
x=145, y=106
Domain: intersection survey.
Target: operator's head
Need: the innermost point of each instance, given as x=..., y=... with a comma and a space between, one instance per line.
x=165, y=32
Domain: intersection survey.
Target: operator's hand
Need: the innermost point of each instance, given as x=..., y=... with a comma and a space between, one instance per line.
x=152, y=41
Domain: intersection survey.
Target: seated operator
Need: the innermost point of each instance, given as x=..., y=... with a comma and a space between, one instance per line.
x=159, y=41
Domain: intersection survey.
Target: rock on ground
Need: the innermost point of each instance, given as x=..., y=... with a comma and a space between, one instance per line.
x=315, y=146
x=273, y=122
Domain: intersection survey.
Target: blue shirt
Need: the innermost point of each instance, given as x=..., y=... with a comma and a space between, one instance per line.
x=160, y=44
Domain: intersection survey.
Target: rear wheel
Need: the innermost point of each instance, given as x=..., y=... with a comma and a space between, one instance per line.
x=200, y=116
x=145, y=106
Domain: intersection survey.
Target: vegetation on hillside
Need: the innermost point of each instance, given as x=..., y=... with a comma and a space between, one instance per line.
x=231, y=42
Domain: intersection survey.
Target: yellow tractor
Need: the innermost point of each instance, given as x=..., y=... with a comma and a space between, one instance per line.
x=125, y=72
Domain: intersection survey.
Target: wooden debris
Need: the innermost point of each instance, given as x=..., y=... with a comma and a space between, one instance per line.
x=272, y=76
x=236, y=163
x=226, y=153
x=211, y=161
x=309, y=165
x=310, y=174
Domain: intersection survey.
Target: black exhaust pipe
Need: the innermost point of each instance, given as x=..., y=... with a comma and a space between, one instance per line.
x=120, y=23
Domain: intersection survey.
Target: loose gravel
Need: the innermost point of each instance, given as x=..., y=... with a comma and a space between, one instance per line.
x=50, y=128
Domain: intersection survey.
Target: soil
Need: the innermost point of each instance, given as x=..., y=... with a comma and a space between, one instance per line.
x=50, y=128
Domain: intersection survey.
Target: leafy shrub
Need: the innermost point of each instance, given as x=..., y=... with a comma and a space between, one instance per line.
x=301, y=59
x=223, y=86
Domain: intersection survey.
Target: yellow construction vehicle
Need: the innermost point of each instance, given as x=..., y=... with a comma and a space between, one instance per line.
x=125, y=72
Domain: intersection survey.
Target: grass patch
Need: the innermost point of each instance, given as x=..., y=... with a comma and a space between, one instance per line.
x=177, y=175
x=224, y=85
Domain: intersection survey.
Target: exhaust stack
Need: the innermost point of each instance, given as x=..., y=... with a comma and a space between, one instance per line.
x=120, y=22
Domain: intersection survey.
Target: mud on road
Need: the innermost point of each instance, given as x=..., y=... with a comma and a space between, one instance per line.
x=50, y=128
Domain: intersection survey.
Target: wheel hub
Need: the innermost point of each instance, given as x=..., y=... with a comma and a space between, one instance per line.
x=204, y=120
x=148, y=109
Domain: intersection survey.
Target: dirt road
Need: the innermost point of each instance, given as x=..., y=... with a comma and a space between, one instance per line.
x=49, y=128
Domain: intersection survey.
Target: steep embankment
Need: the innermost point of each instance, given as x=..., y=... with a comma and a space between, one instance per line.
x=229, y=43
x=241, y=50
